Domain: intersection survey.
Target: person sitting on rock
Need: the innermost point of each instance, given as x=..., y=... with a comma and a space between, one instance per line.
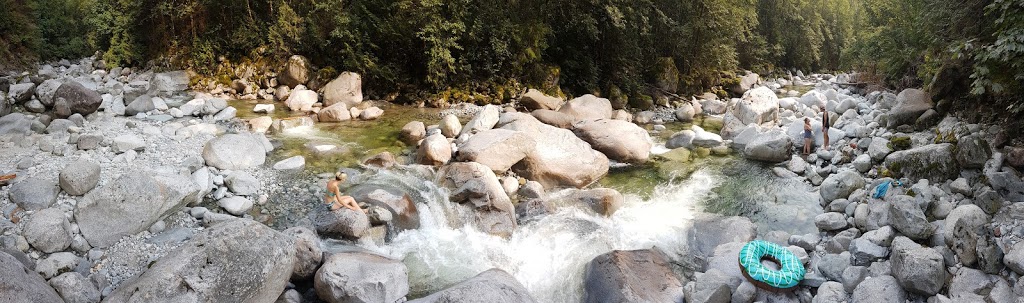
x=807, y=136
x=334, y=196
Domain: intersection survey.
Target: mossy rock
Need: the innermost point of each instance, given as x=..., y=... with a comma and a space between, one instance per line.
x=701, y=152
x=899, y=143
x=642, y=102
x=677, y=155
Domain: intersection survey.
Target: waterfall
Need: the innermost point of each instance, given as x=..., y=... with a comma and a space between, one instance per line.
x=549, y=255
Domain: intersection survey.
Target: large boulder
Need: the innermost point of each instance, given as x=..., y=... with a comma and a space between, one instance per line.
x=79, y=177
x=413, y=132
x=553, y=118
x=619, y=140
x=840, y=185
x=75, y=288
x=342, y=222
x=239, y=260
x=335, y=113
x=169, y=83
x=234, y=151
x=361, y=277
x=907, y=217
x=450, y=126
x=493, y=285
x=497, y=149
x=813, y=98
x=485, y=119
x=15, y=123
x=631, y=276
x=22, y=285
x=710, y=231
x=911, y=103
x=879, y=148
x=308, y=252
x=746, y=83
x=773, y=146
x=604, y=201
x=434, y=150
x=587, y=107
x=972, y=151
x=934, y=162
x=476, y=185
x=130, y=204
x=34, y=193
x=46, y=90
x=757, y=106
x=21, y=92
x=295, y=72
x=534, y=99
x=559, y=158
x=918, y=269
x=301, y=100
x=73, y=98
x=48, y=230
x=347, y=88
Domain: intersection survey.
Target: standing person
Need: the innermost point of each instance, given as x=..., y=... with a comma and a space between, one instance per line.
x=334, y=197
x=808, y=135
x=825, y=124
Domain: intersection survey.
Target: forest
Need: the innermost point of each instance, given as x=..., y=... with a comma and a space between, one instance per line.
x=963, y=51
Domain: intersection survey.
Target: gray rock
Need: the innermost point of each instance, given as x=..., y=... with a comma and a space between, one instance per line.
x=972, y=151
x=34, y=193
x=964, y=226
x=485, y=119
x=48, y=230
x=832, y=266
x=403, y=211
x=346, y=89
x=234, y=152
x=587, y=107
x=450, y=126
x=361, y=277
x=631, y=276
x=960, y=186
x=343, y=222
x=910, y=105
x=757, y=106
x=534, y=99
x=45, y=91
x=235, y=261
x=79, y=177
x=773, y=146
x=21, y=92
x=862, y=163
x=291, y=165
x=1014, y=258
x=225, y=114
x=879, y=148
x=289, y=296
x=130, y=204
x=908, y=218
x=807, y=242
x=32, y=106
x=59, y=127
x=56, y=264
x=700, y=292
x=559, y=159
x=413, y=132
x=710, y=231
x=75, y=288
x=554, y=118
x=236, y=205
x=683, y=138
x=1008, y=184
x=22, y=285
x=242, y=183
x=969, y=285
x=881, y=237
x=295, y=72
x=830, y=292
x=89, y=141
x=497, y=149
x=371, y=113
x=933, y=162
x=493, y=285
x=126, y=142
x=435, y=150
x=619, y=140
x=308, y=252
x=15, y=123
x=840, y=185
x=879, y=290
x=830, y=221
x=853, y=276
x=141, y=104
x=863, y=252
x=169, y=83
x=918, y=269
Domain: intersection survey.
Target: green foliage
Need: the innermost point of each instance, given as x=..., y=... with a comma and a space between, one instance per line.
x=18, y=33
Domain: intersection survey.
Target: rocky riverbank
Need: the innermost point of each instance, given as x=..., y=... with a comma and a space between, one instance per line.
x=132, y=187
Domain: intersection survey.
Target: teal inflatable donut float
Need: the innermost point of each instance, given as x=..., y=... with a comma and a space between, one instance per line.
x=791, y=271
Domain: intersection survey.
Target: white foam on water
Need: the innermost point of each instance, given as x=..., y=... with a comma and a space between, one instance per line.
x=548, y=256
